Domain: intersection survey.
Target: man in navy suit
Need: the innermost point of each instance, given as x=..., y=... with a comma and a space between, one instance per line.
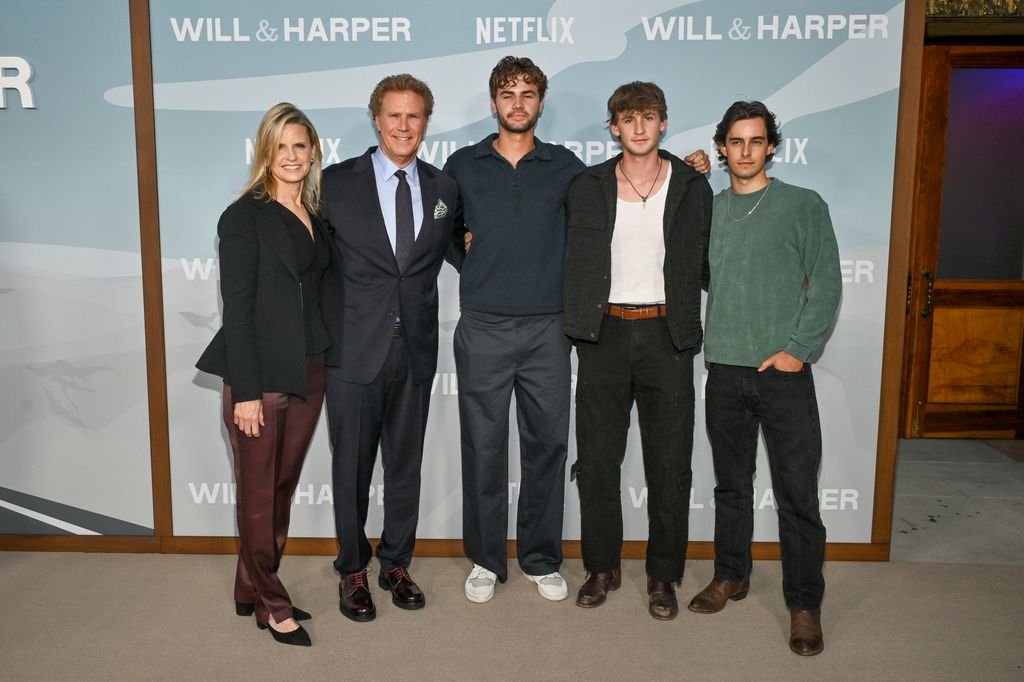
x=392, y=219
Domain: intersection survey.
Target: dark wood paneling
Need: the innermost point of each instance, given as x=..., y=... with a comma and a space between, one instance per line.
x=152, y=283
x=981, y=56
x=931, y=149
x=899, y=258
x=980, y=294
x=938, y=64
x=939, y=419
x=220, y=545
x=975, y=356
x=1018, y=431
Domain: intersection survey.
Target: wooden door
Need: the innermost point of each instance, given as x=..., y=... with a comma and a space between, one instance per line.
x=963, y=346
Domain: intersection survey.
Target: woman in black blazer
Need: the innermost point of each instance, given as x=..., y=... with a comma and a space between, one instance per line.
x=281, y=305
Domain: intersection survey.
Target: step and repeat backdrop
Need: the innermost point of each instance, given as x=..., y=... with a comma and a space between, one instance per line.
x=831, y=76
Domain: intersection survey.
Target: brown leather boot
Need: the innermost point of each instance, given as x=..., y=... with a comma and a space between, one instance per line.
x=595, y=590
x=805, y=636
x=712, y=598
x=662, y=603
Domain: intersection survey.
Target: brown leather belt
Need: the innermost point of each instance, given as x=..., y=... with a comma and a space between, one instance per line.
x=397, y=330
x=636, y=312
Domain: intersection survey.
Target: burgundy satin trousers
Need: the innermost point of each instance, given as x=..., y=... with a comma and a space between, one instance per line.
x=267, y=472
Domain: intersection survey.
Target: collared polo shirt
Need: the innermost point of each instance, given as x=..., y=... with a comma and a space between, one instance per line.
x=517, y=217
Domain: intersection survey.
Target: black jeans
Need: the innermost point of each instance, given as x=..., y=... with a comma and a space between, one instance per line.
x=783, y=405
x=634, y=359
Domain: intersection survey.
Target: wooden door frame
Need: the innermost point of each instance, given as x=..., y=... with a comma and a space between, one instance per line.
x=939, y=62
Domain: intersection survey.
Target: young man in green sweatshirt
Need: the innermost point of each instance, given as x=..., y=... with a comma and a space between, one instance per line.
x=774, y=290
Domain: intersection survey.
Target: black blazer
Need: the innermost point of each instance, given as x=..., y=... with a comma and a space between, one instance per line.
x=261, y=346
x=374, y=289
x=588, y=256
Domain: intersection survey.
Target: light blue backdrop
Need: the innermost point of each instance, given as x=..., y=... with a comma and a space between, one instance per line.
x=74, y=423
x=831, y=77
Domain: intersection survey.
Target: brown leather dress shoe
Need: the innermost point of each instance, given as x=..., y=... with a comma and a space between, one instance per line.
x=595, y=590
x=712, y=598
x=662, y=602
x=805, y=636
x=356, y=602
x=405, y=594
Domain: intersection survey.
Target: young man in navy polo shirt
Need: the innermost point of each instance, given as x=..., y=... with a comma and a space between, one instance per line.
x=510, y=335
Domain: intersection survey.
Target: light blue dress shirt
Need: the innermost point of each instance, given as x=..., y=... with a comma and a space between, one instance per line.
x=384, y=173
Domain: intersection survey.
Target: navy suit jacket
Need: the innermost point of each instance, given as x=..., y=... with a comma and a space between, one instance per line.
x=375, y=291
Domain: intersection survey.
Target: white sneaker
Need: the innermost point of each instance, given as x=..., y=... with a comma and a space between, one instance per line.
x=480, y=584
x=551, y=586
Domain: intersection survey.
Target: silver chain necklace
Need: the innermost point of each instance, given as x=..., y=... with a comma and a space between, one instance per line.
x=728, y=204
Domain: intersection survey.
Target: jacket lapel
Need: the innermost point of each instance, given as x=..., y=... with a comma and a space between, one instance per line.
x=275, y=231
x=366, y=189
x=428, y=193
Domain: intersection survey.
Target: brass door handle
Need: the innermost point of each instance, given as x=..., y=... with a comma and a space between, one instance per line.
x=927, y=309
x=910, y=279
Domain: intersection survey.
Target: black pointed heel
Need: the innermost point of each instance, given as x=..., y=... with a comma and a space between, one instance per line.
x=295, y=638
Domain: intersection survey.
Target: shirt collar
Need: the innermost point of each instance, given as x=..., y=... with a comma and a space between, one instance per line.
x=386, y=167
x=485, y=147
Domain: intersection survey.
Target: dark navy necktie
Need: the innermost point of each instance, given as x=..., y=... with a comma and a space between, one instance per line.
x=404, y=232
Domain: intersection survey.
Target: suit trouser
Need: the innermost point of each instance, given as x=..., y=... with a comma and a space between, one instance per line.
x=494, y=356
x=390, y=413
x=634, y=359
x=784, y=406
x=267, y=471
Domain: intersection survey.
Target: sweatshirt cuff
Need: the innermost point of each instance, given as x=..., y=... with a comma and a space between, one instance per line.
x=798, y=351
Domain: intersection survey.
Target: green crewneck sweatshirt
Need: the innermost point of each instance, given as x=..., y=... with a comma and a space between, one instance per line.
x=775, y=282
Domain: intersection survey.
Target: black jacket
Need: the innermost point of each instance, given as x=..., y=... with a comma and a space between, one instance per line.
x=375, y=291
x=588, y=260
x=261, y=346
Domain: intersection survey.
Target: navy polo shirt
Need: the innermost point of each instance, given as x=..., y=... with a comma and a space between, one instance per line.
x=517, y=217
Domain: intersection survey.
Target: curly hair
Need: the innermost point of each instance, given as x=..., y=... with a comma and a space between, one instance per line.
x=510, y=69
x=741, y=110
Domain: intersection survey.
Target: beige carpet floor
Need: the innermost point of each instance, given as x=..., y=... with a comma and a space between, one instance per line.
x=153, y=617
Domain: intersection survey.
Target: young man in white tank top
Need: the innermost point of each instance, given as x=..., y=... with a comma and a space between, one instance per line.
x=636, y=256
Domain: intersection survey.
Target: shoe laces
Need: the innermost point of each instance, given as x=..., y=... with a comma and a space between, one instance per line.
x=357, y=579
x=552, y=579
x=398, y=574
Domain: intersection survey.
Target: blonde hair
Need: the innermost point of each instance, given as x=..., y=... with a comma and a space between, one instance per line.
x=268, y=136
